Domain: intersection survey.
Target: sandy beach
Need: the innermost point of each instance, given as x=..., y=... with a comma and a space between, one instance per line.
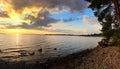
x=97, y=58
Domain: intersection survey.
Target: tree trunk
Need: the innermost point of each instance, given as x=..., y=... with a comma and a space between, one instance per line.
x=117, y=10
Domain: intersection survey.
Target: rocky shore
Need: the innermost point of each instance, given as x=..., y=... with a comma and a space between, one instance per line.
x=97, y=58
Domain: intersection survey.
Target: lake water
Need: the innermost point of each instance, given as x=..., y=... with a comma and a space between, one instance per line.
x=18, y=47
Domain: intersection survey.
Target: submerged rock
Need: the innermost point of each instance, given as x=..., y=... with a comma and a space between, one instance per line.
x=23, y=53
x=40, y=50
x=0, y=51
x=55, y=48
x=32, y=53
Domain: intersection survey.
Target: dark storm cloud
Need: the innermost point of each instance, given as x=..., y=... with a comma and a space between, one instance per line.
x=4, y=14
x=73, y=5
x=23, y=25
x=36, y=22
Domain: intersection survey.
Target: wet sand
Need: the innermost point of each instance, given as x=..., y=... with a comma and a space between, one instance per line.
x=97, y=58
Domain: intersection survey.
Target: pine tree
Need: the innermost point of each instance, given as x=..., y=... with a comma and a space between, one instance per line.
x=108, y=13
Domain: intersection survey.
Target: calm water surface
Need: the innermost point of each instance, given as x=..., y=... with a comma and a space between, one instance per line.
x=18, y=47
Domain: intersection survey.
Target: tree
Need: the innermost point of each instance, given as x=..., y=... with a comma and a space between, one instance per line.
x=117, y=9
x=108, y=13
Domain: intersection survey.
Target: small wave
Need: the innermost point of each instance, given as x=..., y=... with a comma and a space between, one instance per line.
x=19, y=51
x=9, y=57
x=15, y=48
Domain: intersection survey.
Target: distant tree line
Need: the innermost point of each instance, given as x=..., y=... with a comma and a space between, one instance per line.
x=94, y=34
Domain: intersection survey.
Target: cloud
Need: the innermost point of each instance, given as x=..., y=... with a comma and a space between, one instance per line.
x=4, y=14
x=37, y=25
x=67, y=31
x=92, y=20
x=37, y=12
x=62, y=31
x=70, y=19
x=35, y=22
x=42, y=20
x=73, y=5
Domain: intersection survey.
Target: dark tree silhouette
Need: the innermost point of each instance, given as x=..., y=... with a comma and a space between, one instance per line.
x=117, y=9
x=108, y=14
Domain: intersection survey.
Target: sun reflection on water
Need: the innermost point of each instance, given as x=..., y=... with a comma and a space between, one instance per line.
x=17, y=40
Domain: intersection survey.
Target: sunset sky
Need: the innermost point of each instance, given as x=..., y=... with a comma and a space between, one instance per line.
x=47, y=17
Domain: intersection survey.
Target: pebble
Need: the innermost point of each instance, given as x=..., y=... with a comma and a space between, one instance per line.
x=32, y=53
x=0, y=51
x=55, y=48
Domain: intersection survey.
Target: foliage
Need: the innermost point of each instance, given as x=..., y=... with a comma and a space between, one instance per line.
x=104, y=11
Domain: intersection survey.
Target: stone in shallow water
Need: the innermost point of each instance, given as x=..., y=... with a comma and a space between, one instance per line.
x=0, y=51
x=40, y=50
x=32, y=53
x=23, y=53
x=55, y=48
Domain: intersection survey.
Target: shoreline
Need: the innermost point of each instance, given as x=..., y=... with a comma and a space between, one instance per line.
x=44, y=65
x=97, y=58
x=81, y=60
x=61, y=61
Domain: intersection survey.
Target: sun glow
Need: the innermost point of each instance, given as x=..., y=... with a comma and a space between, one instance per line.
x=17, y=31
x=26, y=31
x=17, y=39
x=1, y=2
x=1, y=5
x=17, y=17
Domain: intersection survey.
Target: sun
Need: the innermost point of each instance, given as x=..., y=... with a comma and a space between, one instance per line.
x=17, y=31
